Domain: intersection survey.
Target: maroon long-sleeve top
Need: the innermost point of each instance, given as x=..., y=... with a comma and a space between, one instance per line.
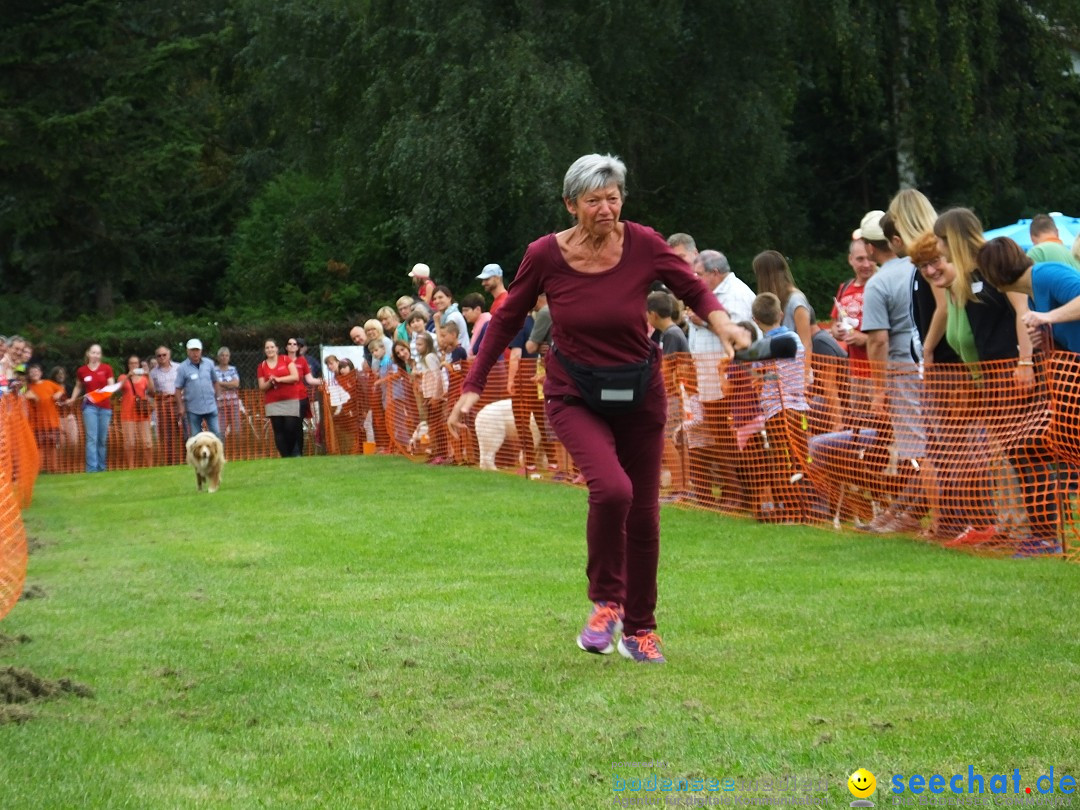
x=597, y=319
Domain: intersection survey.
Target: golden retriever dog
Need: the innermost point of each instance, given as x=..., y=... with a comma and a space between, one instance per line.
x=206, y=454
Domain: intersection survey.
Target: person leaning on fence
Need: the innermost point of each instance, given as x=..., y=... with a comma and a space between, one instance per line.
x=603, y=259
x=277, y=375
x=981, y=327
x=1054, y=289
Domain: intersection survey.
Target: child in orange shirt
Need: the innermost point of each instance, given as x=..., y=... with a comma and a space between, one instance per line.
x=43, y=396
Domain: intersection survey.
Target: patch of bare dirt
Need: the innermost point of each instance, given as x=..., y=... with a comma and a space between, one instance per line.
x=19, y=688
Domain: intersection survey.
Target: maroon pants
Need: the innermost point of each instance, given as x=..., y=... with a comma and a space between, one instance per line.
x=620, y=459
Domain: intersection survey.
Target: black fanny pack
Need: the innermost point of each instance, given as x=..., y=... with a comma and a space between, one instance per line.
x=610, y=389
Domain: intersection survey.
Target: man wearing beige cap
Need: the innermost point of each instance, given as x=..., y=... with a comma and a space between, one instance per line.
x=421, y=276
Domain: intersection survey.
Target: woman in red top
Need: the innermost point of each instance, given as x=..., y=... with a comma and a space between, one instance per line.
x=597, y=275
x=277, y=375
x=96, y=415
x=136, y=405
x=300, y=388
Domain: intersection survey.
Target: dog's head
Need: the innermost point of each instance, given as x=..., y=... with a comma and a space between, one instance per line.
x=204, y=448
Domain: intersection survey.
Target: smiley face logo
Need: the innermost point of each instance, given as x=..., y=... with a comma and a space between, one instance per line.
x=862, y=784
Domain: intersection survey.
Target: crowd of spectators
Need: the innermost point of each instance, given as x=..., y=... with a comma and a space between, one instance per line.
x=929, y=302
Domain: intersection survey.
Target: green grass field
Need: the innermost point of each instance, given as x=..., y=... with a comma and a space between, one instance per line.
x=365, y=632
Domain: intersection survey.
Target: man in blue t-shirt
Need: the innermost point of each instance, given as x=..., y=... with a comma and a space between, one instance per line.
x=196, y=396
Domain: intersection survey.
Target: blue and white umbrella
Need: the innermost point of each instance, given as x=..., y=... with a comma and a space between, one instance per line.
x=1019, y=232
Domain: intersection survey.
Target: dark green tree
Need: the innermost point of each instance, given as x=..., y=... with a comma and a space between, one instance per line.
x=112, y=185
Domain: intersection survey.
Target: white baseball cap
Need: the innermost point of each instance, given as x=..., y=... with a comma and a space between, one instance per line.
x=420, y=270
x=195, y=343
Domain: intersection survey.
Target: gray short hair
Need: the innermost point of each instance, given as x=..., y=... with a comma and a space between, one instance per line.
x=682, y=239
x=713, y=261
x=590, y=172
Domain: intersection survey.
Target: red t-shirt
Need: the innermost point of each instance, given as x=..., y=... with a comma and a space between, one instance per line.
x=281, y=392
x=850, y=296
x=497, y=303
x=93, y=380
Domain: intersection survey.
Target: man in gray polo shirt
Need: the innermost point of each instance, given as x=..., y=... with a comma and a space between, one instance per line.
x=195, y=397
x=897, y=387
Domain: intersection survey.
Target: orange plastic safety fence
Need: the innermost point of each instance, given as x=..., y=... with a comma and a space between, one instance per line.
x=984, y=459
x=17, y=467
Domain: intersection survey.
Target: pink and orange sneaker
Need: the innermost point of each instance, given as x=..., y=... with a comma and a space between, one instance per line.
x=643, y=647
x=604, y=624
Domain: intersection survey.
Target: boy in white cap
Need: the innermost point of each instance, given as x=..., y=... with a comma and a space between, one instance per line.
x=421, y=276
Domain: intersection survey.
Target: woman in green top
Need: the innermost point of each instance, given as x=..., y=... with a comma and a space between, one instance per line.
x=1003, y=414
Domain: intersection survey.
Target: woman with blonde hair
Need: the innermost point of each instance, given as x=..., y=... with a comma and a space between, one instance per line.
x=774, y=276
x=984, y=326
x=913, y=216
x=959, y=236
